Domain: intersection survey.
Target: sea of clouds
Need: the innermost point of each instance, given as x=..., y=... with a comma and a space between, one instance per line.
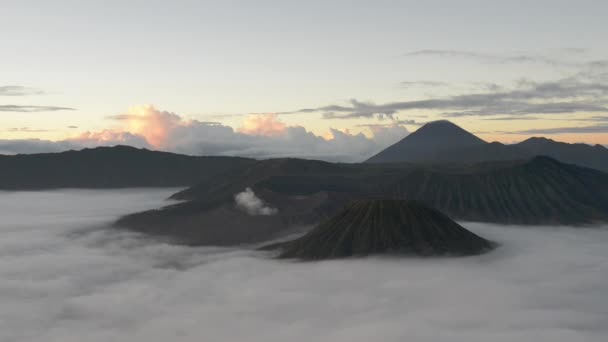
x=65, y=276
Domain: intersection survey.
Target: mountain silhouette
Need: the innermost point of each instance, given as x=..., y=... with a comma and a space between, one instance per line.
x=444, y=142
x=110, y=167
x=595, y=156
x=540, y=190
x=425, y=143
x=368, y=227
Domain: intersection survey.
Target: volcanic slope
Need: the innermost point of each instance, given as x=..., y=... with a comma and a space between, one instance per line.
x=536, y=191
x=368, y=227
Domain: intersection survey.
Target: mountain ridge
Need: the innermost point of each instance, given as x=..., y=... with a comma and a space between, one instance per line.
x=461, y=147
x=110, y=167
x=540, y=190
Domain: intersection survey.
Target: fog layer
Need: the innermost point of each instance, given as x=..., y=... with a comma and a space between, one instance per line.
x=64, y=276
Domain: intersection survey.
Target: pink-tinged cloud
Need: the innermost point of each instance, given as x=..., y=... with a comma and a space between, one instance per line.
x=267, y=125
x=260, y=136
x=108, y=137
x=152, y=124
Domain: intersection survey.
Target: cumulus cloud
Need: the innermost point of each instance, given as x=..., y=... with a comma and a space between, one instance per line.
x=64, y=278
x=108, y=137
x=260, y=136
x=152, y=124
x=252, y=204
x=263, y=124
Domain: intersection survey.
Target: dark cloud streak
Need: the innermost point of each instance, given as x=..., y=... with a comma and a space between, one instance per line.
x=27, y=130
x=31, y=109
x=568, y=95
x=14, y=90
x=495, y=58
x=411, y=84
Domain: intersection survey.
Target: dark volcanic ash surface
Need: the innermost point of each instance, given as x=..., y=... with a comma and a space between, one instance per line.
x=369, y=227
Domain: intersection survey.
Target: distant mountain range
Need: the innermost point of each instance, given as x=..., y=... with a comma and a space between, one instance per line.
x=538, y=181
x=110, y=167
x=445, y=142
x=595, y=156
x=440, y=142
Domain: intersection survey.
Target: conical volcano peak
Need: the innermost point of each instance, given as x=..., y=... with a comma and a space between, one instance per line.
x=444, y=131
x=368, y=227
x=445, y=123
x=426, y=142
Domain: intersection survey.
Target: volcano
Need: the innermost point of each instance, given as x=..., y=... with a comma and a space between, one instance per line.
x=368, y=227
x=424, y=144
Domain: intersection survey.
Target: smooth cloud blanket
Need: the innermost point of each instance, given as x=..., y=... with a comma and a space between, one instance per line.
x=65, y=277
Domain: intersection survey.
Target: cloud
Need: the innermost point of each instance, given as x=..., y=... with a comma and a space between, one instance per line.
x=154, y=125
x=585, y=90
x=392, y=123
x=596, y=118
x=260, y=136
x=497, y=58
x=389, y=133
x=18, y=146
x=64, y=277
x=83, y=140
x=567, y=95
x=253, y=205
x=511, y=118
x=31, y=109
x=296, y=141
x=263, y=124
x=14, y=90
x=264, y=137
x=27, y=130
x=411, y=84
x=108, y=138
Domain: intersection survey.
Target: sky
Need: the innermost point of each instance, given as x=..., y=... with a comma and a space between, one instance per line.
x=195, y=76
